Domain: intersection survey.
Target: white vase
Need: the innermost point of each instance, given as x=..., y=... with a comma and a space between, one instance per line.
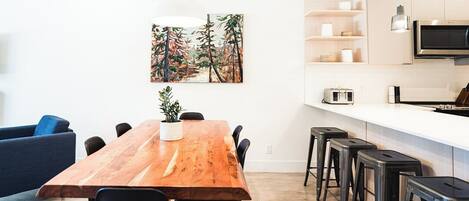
x=171, y=131
x=326, y=30
x=345, y=5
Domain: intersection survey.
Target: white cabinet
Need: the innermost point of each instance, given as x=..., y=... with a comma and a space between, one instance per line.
x=440, y=9
x=461, y=164
x=457, y=9
x=386, y=47
x=428, y=9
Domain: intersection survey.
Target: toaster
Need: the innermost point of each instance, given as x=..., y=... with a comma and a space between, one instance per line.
x=338, y=96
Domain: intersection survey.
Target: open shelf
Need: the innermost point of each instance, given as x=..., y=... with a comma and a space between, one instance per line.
x=334, y=38
x=354, y=21
x=335, y=63
x=313, y=13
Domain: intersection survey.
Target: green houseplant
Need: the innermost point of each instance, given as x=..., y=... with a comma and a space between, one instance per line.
x=171, y=127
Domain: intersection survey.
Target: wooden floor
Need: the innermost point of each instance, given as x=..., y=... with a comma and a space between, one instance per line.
x=275, y=187
x=283, y=187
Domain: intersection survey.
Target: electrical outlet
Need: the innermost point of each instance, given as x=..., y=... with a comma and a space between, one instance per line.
x=268, y=149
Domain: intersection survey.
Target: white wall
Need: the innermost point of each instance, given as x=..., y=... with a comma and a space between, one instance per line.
x=371, y=82
x=88, y=61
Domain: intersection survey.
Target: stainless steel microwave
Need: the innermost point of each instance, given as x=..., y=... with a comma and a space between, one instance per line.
x=435, y=38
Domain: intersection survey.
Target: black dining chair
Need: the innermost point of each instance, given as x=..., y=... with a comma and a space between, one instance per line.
x=191, y=116
x=94, y=144
x=242, y=150
x=130, y=194
x=236, y=133
x=122, y=128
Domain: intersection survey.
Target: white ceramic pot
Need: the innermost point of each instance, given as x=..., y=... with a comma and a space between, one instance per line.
x=347, y=55
x=326, y=30
x=171, y=131
x=345, y=5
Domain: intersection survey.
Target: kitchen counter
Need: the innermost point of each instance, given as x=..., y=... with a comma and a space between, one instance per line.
x=418, y=121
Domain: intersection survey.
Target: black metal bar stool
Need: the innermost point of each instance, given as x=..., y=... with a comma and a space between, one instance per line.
x=437, y=188
x=387, y=166
x=347, y=150
x=323, y=135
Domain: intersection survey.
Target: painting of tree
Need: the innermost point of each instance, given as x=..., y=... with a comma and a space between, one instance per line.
x=212, y=53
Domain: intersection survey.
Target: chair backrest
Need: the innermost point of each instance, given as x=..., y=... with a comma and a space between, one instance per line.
x=122, y=128
x=130, y=194
x=191, y=116
x=50, y=124
x=236, y=133
x=242, y=150
x=94, y=144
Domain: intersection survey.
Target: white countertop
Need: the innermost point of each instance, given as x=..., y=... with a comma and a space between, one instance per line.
x=419, y=121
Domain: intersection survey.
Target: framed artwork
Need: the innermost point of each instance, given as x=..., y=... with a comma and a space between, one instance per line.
x=212, y=53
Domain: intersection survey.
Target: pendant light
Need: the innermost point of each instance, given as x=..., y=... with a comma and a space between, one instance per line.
x=179, y=13
x=400, y=22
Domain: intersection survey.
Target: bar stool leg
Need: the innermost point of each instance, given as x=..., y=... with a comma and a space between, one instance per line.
x=359, y=179
x=345, y=163
x=310, y=154
x=351, y=177
x=380, y=185
x=408, y=194
x=322, y=142
x=392, y=187
x=418, y=172
x=328, y=176
x=361, y=194
x=337, y=166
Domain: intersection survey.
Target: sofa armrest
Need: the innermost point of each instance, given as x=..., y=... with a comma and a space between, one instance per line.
x=29, y=162
x=17, y=132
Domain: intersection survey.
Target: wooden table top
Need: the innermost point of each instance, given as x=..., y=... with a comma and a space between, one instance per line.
x=201, y=166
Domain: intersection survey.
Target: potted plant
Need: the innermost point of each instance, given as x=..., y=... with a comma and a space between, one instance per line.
x=171, y=127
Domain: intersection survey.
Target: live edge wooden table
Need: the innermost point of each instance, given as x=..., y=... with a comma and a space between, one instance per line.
x=201, y=166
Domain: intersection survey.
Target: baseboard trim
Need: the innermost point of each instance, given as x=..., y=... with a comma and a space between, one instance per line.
x=275, y=166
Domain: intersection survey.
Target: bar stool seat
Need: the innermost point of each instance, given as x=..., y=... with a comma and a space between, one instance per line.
x=438, y=188
x=387, y=165
x=353, y=144
x=388, y=157
x=329, y=132
x=323, y=135
x=347, y=149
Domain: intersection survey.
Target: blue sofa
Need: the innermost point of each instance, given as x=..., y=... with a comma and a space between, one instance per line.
x=32, y=155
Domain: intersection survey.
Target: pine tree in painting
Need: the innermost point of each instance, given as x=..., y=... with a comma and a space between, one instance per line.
x=233, y=35
x=178, y=53
x=157, y=52
x=207, y=50
x=170, y=52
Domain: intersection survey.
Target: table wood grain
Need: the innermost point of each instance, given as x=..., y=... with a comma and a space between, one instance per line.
x=201, y=166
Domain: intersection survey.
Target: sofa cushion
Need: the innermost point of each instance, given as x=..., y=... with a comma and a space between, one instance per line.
x=51, y=124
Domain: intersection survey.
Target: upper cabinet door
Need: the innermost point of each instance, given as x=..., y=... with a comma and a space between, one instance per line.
x=428, y=9
x=386, y=47
x=457, y=9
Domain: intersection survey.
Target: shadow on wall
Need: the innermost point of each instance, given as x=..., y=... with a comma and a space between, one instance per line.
x=4, y=46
